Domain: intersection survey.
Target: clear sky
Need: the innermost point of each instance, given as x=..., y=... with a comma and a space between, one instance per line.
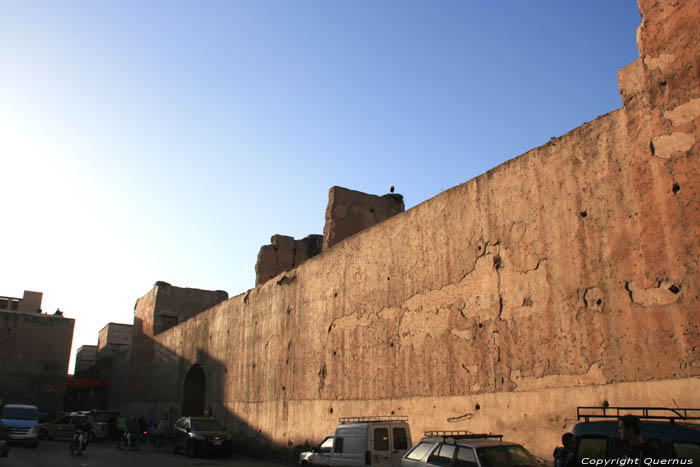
x=168, y=140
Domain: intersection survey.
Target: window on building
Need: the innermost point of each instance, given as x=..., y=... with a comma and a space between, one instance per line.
x=3, y=304
x=14, y=304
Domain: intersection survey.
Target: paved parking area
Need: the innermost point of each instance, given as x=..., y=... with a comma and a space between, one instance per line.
x=55, y=453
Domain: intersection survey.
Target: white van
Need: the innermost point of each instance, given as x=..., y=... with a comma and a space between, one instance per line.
x=363, y=442
x=21, y=421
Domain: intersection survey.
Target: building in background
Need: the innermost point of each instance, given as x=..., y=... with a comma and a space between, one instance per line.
x=85, y=358
x=34, y=353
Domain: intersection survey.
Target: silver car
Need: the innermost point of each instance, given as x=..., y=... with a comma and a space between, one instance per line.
x=464, y=449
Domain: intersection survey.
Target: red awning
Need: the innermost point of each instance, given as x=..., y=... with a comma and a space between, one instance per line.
x=86, y=383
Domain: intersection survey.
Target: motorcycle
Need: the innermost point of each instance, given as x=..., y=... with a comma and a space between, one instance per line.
x=78, y=442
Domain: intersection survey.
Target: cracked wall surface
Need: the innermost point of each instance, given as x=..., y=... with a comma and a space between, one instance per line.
x=502, y=303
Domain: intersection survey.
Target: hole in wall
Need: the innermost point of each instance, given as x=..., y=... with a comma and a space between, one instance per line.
x=284, y=388
x=392, y=344
x=497, y=264
x=598, y=302
x=392, y=412
x=676, y=187
x=477, y=407
x=481, y=325
x=663, y=82
x=335, y=294
x=584, y=213
x=330, y=410
x=388, y=278
x=674, y=289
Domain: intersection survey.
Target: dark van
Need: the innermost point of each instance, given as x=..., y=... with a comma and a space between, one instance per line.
x=670, y=430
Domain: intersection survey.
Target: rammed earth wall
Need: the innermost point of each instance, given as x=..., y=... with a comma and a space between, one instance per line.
x=567, y=276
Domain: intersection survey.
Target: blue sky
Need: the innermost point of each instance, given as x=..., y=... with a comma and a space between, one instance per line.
x=168, y=140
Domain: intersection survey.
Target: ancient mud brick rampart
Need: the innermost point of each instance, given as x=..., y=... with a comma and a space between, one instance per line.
x=350, y=211
x=284, y=253
x=567, y=276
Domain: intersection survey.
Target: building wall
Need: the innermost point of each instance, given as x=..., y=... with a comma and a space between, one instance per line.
x=85, y=358
x=160, y=309
x=34, y=354
x=567, y=276
x=284, y=253
x=30, y=302
x=113, y=339
x=350, y=211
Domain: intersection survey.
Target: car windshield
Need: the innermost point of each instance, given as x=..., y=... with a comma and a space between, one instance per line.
x=206, y=424
x=20, y=413
x=506, y=456
x=102, y=416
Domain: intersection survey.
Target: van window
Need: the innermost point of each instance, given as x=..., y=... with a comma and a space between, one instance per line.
x=594, y=448
x=400, y=439
x=419, y=452
x=326, y=445
x=381, y=439
x=442, y=455
x=338, y=447
x=465, y=458
x=687, y=451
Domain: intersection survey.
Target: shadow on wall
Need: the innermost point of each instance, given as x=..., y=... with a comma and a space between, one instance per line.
x=195, y=386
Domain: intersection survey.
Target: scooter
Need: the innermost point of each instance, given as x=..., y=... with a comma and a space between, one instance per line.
x=78, y=442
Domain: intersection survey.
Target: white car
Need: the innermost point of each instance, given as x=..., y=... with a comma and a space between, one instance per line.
x=21, y=421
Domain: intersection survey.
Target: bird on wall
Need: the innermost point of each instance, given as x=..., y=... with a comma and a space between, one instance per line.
x=391, y=188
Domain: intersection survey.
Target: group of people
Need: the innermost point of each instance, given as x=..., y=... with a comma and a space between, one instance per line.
x=138, y=428
x=632, y=446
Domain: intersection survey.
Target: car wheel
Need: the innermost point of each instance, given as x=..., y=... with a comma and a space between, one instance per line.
x=190, y=449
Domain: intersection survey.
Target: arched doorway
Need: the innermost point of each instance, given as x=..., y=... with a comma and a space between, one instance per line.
x=193, y=394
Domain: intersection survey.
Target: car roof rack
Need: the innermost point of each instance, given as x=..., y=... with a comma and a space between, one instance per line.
x=375, y=418
x=461, y=435
x=670, y=414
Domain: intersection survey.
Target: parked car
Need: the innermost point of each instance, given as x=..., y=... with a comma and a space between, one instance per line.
x=4, y=440
x=669, y=430
x=21, y=421
x=64, y=426
x=464, y=449
x=105, y=417
x=201, y=434
x=378, y=441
